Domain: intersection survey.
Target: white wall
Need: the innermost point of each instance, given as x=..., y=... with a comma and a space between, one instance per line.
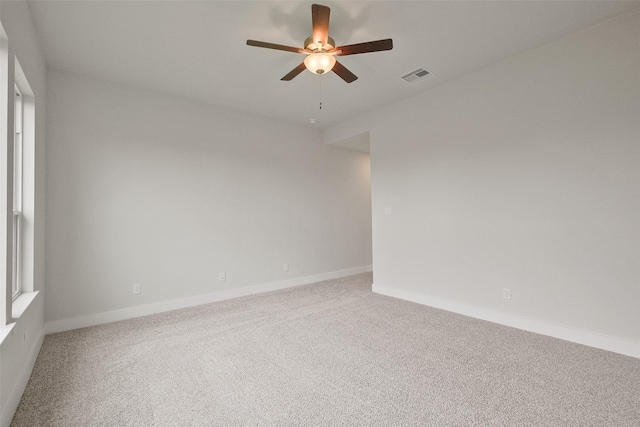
x=523, y=175
x=22, y=339
x=145, y=188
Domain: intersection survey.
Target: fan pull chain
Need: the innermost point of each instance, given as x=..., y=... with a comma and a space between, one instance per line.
x=320, y=92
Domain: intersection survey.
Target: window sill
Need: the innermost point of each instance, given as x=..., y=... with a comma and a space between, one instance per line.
x=22, y=303
x=18, y=307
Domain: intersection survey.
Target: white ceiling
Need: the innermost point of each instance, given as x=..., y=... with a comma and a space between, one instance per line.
x=197, y=49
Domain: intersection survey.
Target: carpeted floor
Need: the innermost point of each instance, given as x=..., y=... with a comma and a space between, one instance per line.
x=331, y=353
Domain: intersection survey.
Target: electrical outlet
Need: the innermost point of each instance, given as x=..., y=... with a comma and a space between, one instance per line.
x=506, y=293
x=286, y=267
x=387, y=210
x=136, y=289
x=222, y=277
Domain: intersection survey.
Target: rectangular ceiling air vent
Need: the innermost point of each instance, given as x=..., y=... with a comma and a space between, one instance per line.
x=416, y=75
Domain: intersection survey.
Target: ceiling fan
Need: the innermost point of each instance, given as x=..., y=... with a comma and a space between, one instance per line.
x=321, y=49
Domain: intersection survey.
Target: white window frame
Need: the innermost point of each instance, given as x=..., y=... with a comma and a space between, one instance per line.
x=16, y=285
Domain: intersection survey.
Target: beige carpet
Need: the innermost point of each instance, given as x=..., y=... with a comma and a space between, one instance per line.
x=331, y=353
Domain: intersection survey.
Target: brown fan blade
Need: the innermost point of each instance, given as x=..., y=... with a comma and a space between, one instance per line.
x=375, y=46
x=300, y=68
x=273, y=46
x=320, y=21
x=344, y=74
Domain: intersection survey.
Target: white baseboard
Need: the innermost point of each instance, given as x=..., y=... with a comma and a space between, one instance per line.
x=21, y=384
x=145, y=310
x=591, y=339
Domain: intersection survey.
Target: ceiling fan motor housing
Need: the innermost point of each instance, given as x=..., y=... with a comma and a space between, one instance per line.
x=311, y=45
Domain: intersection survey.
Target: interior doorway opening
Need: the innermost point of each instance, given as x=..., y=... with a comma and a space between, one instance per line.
x=358, y=147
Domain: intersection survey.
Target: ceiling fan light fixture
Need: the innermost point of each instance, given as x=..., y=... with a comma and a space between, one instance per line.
x=319, y=63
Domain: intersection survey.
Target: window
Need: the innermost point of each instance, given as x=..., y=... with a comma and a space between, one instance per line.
x=17, y=193
x=5, y=302
x=17, y=180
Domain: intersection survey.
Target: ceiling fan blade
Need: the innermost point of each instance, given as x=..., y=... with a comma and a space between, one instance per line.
x=300, y=68
x=344, y=74
x=273, y=46
x=320, y=20
x=375, y=46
